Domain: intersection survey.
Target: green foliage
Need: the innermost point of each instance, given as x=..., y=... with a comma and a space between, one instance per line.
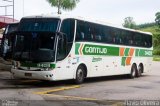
x=129, y=23
x=146, y=25
x=153, y=29
x=63, y=4
x=156, y=58
x=156, y=52
x=157, y=20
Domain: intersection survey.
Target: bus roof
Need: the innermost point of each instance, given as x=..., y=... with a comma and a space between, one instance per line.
x=88, y=20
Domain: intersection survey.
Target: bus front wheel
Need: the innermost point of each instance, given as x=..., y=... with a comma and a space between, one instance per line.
x=80, y=75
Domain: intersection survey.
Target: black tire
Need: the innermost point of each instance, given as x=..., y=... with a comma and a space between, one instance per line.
x=133, y=71
x=80, y=75
x=139, y=71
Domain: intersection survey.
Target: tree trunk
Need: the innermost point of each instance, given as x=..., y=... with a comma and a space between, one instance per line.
x=59, y=10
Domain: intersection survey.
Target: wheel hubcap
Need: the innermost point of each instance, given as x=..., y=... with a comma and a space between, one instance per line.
x=134, y=72
x=140, y=70
x=80, y=74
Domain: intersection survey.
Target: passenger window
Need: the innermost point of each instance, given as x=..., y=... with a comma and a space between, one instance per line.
x=68, y=29
x=80, y=35
x=106, y=34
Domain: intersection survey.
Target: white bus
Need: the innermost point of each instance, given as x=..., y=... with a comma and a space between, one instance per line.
x=62, y=48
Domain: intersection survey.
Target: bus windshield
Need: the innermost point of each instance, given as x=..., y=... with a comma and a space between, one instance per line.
x=35, y=39
x=34, y=46
x=39, y=24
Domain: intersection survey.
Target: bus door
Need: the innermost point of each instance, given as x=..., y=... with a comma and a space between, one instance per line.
x=63, y=68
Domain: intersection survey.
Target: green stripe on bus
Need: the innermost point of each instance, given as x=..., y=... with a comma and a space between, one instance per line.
x=137, y=52
x=77, y=48
x=89, y=49
x=123, y=62
x=143, y=53
x=39, y=65
x=126, y=53
x=52, y=65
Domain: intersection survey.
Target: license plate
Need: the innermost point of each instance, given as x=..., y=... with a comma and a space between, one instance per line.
x=28, y=74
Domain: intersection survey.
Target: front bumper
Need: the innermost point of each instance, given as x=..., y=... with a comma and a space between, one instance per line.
x=38, y=75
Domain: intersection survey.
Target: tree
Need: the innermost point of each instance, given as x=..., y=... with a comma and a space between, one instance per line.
x=157, y=20
x=63, y=4
x=129, y=23
x=156, y=37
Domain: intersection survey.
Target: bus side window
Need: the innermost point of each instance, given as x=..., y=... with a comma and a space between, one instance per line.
x=68, y=29
x=80, y=34
x=92, y=37
x=61, y=49
x=97, y=33
x=92, y=32
x=113, y=36
x=89, y=32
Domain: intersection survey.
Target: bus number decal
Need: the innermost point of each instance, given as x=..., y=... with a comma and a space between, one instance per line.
x=43, y=65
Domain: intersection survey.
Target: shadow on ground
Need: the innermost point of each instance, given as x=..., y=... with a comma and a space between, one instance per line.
x=11, y=83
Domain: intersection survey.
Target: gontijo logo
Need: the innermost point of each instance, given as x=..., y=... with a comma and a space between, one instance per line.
x=96, y=50
x=87, y=49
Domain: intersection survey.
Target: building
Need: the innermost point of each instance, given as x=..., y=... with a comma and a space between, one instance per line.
x=6, y=20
